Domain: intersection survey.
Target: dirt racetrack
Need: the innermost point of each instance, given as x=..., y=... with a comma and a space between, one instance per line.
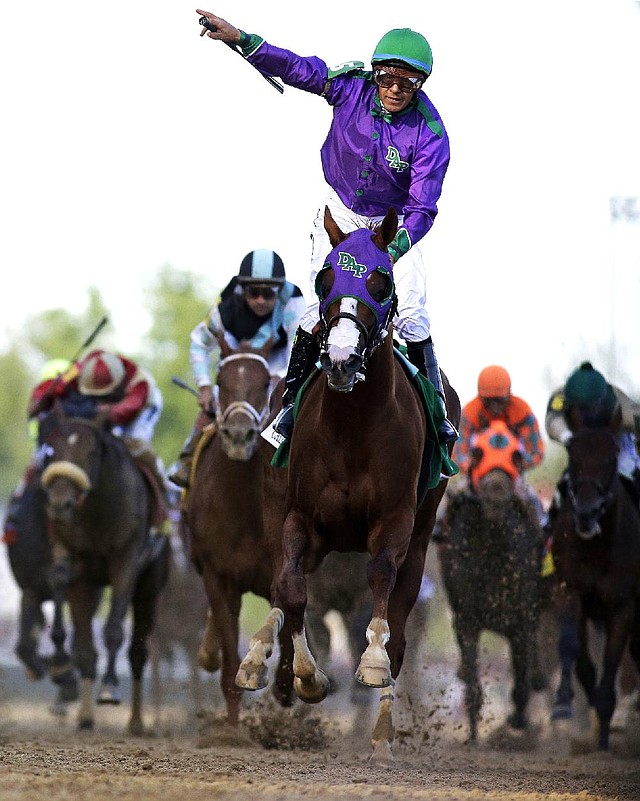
x=318, y=752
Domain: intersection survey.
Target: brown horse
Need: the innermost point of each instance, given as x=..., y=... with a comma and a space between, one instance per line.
x=99, y=516
x=354, y=475
x=596, y=550
x=223, y=513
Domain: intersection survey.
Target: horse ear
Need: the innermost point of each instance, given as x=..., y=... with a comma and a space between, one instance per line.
x=386, y=230
x=518, y=460
x=225, y=348
x=475, y=457
x=336, y=236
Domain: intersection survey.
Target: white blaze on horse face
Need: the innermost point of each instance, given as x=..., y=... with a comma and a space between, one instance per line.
x=345, y=335
x=73, y=438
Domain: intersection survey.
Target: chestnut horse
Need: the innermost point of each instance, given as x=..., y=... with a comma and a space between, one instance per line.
x=223, y=515
x=99, y=516
x=354, y=474
x=596, y=550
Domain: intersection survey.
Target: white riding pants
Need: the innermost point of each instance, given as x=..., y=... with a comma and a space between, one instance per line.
x=409, y=273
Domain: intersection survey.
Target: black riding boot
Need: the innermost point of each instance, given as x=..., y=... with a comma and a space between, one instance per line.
x=422, y=356
x=304, y=355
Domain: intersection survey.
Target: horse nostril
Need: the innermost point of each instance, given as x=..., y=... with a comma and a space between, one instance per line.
x=353, y=363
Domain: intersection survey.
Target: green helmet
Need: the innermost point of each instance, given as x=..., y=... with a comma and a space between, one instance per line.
x=405, y=46
x=53, y=368
x=586, y=386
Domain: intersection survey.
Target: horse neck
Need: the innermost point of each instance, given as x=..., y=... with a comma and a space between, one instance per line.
x=380, y=373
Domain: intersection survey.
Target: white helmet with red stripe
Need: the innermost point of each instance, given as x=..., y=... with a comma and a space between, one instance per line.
x=101, y=373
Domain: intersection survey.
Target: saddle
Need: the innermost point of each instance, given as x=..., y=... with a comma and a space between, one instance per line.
x=436, y=462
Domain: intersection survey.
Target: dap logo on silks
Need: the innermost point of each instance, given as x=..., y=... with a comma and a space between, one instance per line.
x=357, y=268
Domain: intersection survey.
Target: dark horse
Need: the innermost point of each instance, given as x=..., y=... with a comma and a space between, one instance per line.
x=223, y=512
x=29, y=552
x=353, y=476
x=99, y=515
x=596, y=550
x=490, y=550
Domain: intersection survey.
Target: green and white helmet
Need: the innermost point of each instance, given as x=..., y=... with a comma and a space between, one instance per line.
x=404, y=46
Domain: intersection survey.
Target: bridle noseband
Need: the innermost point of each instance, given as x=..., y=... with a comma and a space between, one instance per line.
x=240, y=407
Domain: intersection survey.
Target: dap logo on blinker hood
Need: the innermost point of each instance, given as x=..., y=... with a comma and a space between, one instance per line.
x=348, y=262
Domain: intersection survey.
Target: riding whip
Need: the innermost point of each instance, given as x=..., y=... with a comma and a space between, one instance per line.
x=183, y=385
x=211, y=27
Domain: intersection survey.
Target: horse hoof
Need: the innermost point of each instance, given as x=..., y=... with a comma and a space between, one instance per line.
x=517, y=721
x=109, y=694
x=562, y=712
x=58, y=709
x=85, y=725
x=252, y=677
x=312, y=690
x=382, y=754
x=372, y=676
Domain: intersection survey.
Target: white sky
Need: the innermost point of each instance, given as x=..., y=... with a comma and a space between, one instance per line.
x=129, y=142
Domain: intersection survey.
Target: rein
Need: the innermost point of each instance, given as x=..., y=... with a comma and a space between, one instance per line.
x=240, y=407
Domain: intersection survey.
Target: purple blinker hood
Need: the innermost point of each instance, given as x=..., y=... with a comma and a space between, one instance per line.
x=353, y=261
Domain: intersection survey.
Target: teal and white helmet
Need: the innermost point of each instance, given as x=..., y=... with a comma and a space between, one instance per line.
x=402, y=46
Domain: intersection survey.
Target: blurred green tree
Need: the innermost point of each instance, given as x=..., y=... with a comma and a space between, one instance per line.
x=176, y=301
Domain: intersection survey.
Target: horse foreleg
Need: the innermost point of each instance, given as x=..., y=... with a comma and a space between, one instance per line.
x=31, y=623
x=384, y=731
x=61, y=671
x=468, y=645
x=310, y=683
x=605, y=693
x=113, y=636
x=521, y=643
x=568, y=649
x=82, y=606
x=253, y=673
x=208, y=657
x=374, y=669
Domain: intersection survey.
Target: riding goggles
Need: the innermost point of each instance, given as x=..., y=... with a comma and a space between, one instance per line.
x=256, y=291
x=405, y=83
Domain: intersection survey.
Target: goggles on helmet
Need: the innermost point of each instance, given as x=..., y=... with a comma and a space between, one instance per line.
x=387, y=77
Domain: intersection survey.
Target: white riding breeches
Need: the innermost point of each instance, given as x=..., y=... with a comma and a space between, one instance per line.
x=409, y=274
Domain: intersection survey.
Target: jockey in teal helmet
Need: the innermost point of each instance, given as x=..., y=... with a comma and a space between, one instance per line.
x=588, y=399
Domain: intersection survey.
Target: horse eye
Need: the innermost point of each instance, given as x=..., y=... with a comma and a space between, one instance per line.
x=324, y=282
x=379, y=286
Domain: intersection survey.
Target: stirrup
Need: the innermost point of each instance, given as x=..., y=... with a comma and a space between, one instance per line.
x=283, y=423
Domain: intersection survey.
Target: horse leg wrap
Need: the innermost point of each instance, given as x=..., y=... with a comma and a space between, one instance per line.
x=310, y=683
x=253, y=673
x=374, y=669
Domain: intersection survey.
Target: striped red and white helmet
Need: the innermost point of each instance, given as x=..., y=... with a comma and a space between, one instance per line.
x=101, y=373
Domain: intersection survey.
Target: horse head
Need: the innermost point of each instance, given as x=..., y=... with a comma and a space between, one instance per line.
x=241, y=398
x=357, y=298
x=592, y=474
x=496, y=463
x=73, y=445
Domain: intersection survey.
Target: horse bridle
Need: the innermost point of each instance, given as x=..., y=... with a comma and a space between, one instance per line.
x=240, y=407
x=605, y=494
x=373, y=337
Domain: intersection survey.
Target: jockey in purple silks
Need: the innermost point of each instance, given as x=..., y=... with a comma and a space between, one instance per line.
x=386, y=147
